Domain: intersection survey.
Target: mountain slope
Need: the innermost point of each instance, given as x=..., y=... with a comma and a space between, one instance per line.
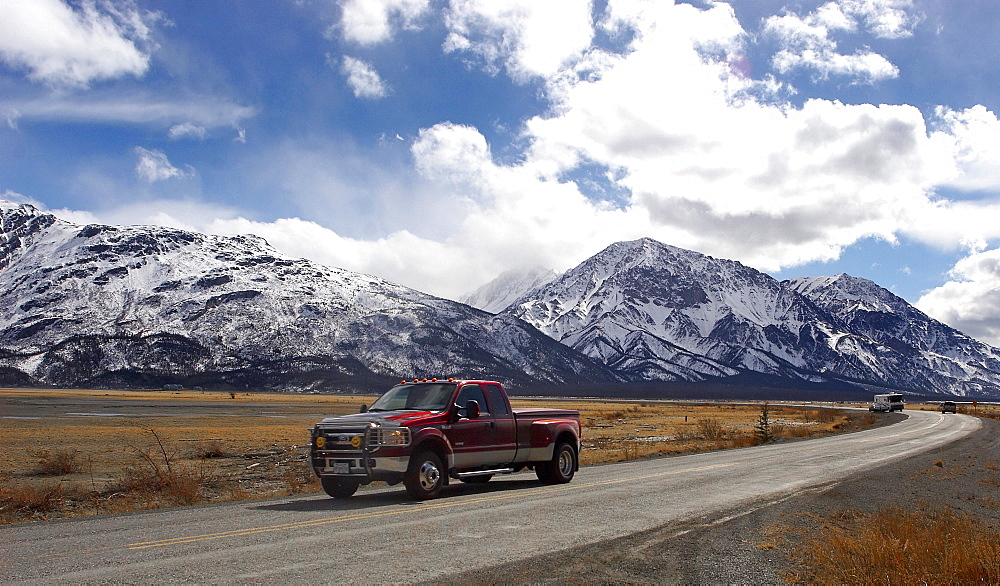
x=143, y=306
x=659, y=312
x=964, y=363
x=499, y=293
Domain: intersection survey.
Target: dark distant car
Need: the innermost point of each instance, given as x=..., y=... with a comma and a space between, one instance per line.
x=949, y=407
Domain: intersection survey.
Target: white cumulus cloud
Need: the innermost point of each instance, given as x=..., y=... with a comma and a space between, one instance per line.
x=365, y=82
x=527, y=37
x=970, y=302
x=972, y=139
x=808, y=41
x=368, y=22
x=154, y=166
x=73, y=45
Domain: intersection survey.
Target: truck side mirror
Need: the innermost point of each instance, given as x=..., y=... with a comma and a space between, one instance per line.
x=364, y=408
x=472, y=409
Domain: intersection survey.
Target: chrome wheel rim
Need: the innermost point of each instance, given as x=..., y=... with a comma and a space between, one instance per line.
x=429, y=475
x=566, y=462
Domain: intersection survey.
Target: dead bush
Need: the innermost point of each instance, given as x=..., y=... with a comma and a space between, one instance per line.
x=58, y=463
x=740, y=440
x=22, y=502
x=161, y=480
x=213, y=449
x=180, y=485
x=711, y=429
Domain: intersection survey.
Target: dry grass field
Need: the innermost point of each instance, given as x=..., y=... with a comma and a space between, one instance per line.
x=84, y=452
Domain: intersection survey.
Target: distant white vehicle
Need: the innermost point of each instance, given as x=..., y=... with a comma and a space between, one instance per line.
x=887, y=402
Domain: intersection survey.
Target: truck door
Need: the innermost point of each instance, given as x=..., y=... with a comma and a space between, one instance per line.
x=475, y=441
x=505, y=432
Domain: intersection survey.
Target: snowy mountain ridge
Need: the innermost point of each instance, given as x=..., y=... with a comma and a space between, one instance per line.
x=145, y=306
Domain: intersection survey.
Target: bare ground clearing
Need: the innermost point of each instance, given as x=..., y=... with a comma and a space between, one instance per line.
x=85, y=452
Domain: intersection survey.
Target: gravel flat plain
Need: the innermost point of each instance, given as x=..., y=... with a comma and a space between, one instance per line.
x=727, y=549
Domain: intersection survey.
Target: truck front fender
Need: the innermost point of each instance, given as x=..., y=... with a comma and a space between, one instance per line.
x=431, y=438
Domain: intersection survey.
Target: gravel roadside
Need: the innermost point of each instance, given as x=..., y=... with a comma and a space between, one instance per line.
x=742, y=549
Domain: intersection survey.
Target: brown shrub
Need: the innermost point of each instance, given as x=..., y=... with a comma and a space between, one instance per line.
x=58, y=463
x=741, y=440
x=213, y=449
x=711, y=429
x=23, y=502
x=178, y=485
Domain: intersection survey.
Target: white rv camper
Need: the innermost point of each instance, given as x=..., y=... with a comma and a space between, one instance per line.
x=887, y=402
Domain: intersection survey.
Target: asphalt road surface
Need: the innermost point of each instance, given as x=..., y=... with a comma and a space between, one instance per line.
x=381, y=536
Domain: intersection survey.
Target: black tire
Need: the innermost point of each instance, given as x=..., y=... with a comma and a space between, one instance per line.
x=477, y=479
x=425, y=476
x=340, y=488
x=561, y=468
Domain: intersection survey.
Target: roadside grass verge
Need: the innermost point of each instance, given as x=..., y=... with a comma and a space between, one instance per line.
x=897, y=546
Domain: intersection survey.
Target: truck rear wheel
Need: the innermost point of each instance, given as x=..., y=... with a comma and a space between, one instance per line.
x=561, y=468
x=423, y=478
x=340, y=488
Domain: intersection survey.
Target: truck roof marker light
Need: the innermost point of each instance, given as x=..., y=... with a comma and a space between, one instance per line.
x=415, y=380
x=434, y=380
x=451, y=380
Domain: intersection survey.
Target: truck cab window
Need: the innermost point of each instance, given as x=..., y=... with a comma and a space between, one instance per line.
x=473, y=393
x=497, y=404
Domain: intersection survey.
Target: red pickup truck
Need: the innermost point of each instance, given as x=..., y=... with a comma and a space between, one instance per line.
x=424, y=432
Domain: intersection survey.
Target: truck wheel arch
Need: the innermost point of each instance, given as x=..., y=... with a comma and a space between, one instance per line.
x=439, y=447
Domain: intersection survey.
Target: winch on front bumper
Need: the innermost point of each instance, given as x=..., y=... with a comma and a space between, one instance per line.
x=370, y=452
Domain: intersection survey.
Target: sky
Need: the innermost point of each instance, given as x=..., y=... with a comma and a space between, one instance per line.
x=437, y=143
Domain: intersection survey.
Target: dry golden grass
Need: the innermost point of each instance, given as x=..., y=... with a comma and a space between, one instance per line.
x=114, y=464
x=257, y=444
x=618, y=431
x=897, y=546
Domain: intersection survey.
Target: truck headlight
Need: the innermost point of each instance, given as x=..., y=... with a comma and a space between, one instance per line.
x=392, y=436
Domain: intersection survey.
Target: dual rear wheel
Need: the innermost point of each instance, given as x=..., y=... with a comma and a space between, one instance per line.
x=561, y=468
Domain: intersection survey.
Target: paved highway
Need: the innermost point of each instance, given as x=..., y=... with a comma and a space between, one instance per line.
x=381, y=536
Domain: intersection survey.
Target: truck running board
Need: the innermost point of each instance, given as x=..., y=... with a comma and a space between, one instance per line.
x=482, y=472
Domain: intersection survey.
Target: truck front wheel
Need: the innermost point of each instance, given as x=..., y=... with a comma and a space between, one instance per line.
x=423, y=478
x=561, y=468
x=340, y=488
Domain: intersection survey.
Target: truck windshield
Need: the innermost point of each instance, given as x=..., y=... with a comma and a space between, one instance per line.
x=417, y=397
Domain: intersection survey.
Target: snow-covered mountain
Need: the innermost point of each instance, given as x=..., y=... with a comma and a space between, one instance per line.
x=653, y=311
x=144, y=306
x=951, y=358
x=496, y=295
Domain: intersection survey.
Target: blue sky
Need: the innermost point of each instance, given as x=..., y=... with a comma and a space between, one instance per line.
x=437, y=143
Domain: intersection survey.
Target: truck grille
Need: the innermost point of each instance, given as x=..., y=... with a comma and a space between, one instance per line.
x=354, y=442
